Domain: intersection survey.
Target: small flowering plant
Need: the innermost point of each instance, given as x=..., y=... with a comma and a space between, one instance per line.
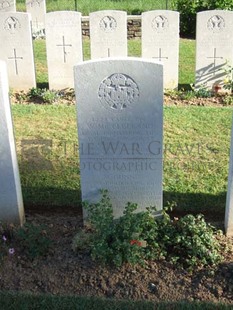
x=137, y=237
x=6, y=235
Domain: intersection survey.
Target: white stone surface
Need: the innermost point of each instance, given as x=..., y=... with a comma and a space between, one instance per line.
x=17, y=50
x=229, y=201
x=7, y=5
x=160, y=41
x=108, y=34
x=64, y=47
x=214, y=41
x=120, y=129
x=37, y=9
x=11, y=202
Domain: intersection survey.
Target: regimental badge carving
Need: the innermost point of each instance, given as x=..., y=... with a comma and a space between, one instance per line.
x=34, y=3
x=216, y=23
x=108, y=24
x=4, y=4
x=118, y=91
x=160, y=23
x=12, y=24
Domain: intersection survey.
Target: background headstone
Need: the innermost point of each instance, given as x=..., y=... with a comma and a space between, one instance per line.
x=229, y=202
x=37, y=9
x=120, y=129
x=160, y=41
x=17, y=50
x=214, y=41
x=108, y=34
x=64, y=47
x=7, y=5
x=11, y=202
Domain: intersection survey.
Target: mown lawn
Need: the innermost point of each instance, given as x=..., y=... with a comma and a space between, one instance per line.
x=196, y=155
x=186, y=59
x=87, y=6
x=13, y=301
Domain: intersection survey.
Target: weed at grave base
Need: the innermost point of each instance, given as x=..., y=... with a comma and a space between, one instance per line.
x=6, y=247
x=30, y=239
x=137, y=237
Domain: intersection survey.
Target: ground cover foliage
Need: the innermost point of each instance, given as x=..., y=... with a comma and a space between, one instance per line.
x=136, y=237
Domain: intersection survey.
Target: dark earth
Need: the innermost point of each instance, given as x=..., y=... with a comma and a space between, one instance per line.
x=64, y=272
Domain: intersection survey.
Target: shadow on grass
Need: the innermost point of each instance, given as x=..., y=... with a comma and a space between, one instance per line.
x=212, y=206
x=185, y=87
x=21, y=301
x=51, y=199
x=58, y=199
x=42, y=85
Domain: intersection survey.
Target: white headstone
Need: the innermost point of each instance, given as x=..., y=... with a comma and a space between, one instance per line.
x=7, y=6
x=214, y=41
x=11, y=202
x=17, y=50
x=160, y=41
x=64, y=47
x=229, y=202
x=108, y=34
x=120, y=130
x=37, y=9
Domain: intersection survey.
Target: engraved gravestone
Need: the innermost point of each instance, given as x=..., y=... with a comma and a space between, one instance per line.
x=108, y=34
x=37, y=9
x=11, y=202
x=64, y=47
x=214, y=41
x=7, y=6
x=17, y=50
x=120, y=129
x=229, y=201
x=160, y=40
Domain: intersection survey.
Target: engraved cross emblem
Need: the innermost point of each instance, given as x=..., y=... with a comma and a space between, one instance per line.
x=64, y=45
x=215, y=57
x=160, y=57
x=15, y=58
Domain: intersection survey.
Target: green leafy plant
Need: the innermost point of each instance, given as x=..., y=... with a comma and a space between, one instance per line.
x=182, y=94
x=136, y=237
x=228, y=100
x=34, y=240
x=203, y=92
x=228, y=83
x=43, y=95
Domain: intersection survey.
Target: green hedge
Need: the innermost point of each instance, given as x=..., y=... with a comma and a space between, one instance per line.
x=189, y=8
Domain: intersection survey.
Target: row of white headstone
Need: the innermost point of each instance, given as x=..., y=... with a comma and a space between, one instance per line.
x=37, y=9
x=108, y=33
x=120, y=137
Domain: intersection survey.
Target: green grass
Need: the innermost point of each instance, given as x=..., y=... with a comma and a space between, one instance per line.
x=49, y=172
x=196, y=181
x=11, y=301
x=87, y=6
x=186, y=61
x=196, y=156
